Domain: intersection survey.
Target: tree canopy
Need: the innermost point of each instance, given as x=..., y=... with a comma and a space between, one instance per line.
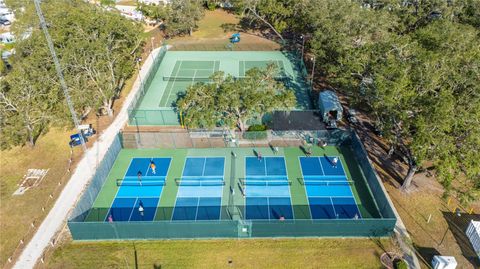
x=231, y=102
x=413, y=65
x=96, y=49
x=179, y=16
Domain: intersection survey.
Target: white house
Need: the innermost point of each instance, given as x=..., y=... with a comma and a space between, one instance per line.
x=7, y=38
x=155, y=2
x=473, y=234
x=130, y=12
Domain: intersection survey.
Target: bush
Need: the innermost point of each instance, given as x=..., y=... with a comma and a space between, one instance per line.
x=257, y=127
x=211, y=5
x=401, y=264
x=256, y=132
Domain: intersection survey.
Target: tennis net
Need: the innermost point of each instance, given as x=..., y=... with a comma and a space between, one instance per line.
x=136, y=182
x=320, y=182
x=193, y=79
x=263, y=182
x=199, y=182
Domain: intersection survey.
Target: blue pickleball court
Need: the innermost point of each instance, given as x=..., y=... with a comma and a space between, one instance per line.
x=145, y=191
x=328, y=189
x=266, y=189
x=200, y=189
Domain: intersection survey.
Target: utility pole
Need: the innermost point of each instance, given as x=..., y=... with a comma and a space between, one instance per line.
x=58, y=69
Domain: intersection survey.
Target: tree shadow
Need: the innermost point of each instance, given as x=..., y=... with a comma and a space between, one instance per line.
x=157, y=266
x=458, y=226
x=229, y=27
x=426, y=253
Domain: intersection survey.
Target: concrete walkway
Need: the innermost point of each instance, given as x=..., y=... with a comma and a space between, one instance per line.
x=82, y=175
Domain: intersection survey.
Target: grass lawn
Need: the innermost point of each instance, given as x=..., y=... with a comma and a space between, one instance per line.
x=255, y=253
x=212, y=25
x=50, y=152
x=18, y=212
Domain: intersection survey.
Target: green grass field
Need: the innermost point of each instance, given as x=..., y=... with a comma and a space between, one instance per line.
x=277, y=253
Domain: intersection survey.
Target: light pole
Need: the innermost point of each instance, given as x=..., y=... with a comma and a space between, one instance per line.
x=151, y=40
x=313, y=69
x=303, y=44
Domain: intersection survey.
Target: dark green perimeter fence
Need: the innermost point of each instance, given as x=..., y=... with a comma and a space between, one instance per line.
x=159, y=116
x=238, y=227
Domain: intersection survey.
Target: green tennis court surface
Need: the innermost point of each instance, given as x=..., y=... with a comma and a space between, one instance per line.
x=178, y=70
x=201, y=184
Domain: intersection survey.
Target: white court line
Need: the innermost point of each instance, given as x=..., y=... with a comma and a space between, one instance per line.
x=333, y=206
x=133, y=209
x=170, y=90
x=321, y=166
x=118, y=189
x=305, y=187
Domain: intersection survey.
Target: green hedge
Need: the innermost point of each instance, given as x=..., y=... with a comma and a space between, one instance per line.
x=256, y=132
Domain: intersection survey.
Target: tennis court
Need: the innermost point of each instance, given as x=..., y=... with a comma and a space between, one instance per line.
x=244, y=66
x=328, y=190
x=200, y=189
x=141, y=186
x=266, y=189
x=175, y=71
x=185, y=74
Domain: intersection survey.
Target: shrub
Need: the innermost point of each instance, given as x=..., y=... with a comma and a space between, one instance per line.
x=256, y=132
x=401, y=264
x=257, y=127
x=211, y=5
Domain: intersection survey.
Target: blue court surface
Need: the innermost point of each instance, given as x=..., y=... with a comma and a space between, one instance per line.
x=132, y=192
x=329, y=194
x=266, y=189
x=200, y=189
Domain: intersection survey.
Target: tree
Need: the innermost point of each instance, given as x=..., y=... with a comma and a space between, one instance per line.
x=96, y=49
x=233, y=101
x=413, y=67
x=28, y=102
x=157, y=12
x=183, y=15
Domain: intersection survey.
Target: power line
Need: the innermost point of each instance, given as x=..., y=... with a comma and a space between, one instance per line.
x=58, y=68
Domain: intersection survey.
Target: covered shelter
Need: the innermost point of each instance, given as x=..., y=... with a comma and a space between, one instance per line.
x=473, y=234
x=329, y=106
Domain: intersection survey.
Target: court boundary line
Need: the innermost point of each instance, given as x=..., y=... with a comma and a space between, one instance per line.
x=321, y=166
x=203, y=172
x=118, y=189
x=170, y=90
x=161, y=193
x=308, y=196
x=265, y=169
x=333, y=206
x=289, y=188
x=349, y=186
x=133, y=209
x=305, y=188
x=176, y=196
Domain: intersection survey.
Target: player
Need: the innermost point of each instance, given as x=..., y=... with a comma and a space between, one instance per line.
x=141, y=209
x=139, y=175
x=110, y=218
x=153, y=167
x=334, y=161
x=259, y=156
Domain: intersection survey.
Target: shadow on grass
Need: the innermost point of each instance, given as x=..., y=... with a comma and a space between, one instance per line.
x=458, y=226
